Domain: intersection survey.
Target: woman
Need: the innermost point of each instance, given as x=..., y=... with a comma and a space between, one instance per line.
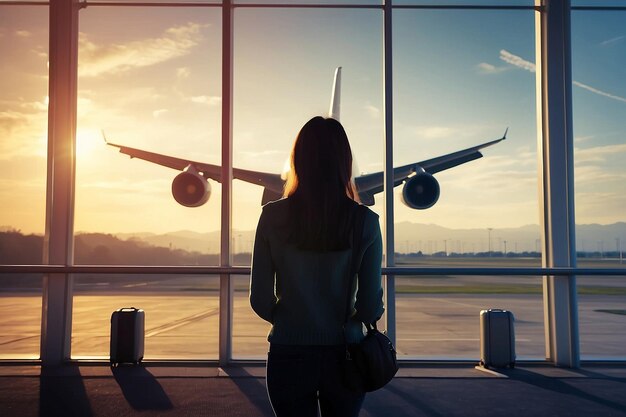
x=300, y=276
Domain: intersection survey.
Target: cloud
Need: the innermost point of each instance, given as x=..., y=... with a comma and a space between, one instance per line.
x=519, y=62
x=132, y=186
x=210, y=100
x=373, y=111
x=97, y=59
x=23, y=128
x=485, y=68
x=598, y=153
x=183, y=72
x=9, y=120
x=595, y=175
x=159, y=112
x=20, y=184
x=600, y=207
x=582, y=139
x=599, y=92
x=436, y=132
x=22, y=33
x=613, y=40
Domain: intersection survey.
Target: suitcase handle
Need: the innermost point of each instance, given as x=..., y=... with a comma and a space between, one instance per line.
x=128, y=309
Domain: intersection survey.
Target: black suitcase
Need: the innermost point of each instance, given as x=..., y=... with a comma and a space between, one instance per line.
x=497, y=339
x=127, y=336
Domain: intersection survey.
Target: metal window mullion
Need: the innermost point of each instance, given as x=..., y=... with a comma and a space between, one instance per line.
x=390, y=310
x=226, y=286
x=58, y=248
x=555, y=140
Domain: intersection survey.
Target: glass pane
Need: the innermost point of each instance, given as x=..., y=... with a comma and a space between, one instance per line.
x=439, y=316
x=284, y=76
x=284, y=71
x=181, y=314
x=599, y=104
x=456, y=86
x=602, y=316
x=20, y=316
x=249, y=331
x=151, y=79
x=23, y=127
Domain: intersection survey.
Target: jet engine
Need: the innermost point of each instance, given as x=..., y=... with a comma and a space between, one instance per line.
x=420, y=191
x=190, y=188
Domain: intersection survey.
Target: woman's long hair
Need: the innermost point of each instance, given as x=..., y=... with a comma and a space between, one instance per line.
x=319, y=187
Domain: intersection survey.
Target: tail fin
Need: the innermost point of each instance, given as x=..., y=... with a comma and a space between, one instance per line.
x=335, y=100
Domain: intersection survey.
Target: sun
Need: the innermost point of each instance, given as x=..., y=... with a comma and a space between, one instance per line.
x=88, y=141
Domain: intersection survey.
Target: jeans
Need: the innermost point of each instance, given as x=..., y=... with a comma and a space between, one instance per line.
x=298, y=377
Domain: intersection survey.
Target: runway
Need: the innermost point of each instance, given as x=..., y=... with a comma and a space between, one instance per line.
x=184, y=324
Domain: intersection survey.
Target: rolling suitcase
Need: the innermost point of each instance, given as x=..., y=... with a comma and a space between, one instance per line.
x=497, y=339
x=127, y=336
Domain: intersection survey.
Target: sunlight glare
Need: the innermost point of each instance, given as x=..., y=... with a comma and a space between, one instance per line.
x=87, y=141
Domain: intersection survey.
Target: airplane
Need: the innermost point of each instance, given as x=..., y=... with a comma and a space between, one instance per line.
x=421, y=190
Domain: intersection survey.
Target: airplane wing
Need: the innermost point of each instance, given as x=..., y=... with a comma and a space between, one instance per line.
x=273, y=183
x=270, y=181
x=370, y=184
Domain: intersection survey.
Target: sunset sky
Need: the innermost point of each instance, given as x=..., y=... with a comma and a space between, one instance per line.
x=150, y=78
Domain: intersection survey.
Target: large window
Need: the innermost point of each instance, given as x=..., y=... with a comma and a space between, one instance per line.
x=181, y=314
x=284, y=64
x=23, y=121
x=23, y=150
x=456, y=86
x=154, y=98
x=599, y=103
x=149, y=78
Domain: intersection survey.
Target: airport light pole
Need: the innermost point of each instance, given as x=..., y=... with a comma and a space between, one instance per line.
x=489, y=229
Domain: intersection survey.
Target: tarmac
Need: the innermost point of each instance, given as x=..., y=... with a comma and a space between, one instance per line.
x=433, y=390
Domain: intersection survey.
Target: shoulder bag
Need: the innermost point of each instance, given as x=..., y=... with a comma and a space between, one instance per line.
x=372, y=363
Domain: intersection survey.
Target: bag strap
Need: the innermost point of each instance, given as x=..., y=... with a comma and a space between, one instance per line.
x=357, y=235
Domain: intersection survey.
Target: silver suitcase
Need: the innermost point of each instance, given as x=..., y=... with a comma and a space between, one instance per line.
x=497, y=339
x=127, y=336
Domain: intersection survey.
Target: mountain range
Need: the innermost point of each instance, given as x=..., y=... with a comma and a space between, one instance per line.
x=415, y=237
